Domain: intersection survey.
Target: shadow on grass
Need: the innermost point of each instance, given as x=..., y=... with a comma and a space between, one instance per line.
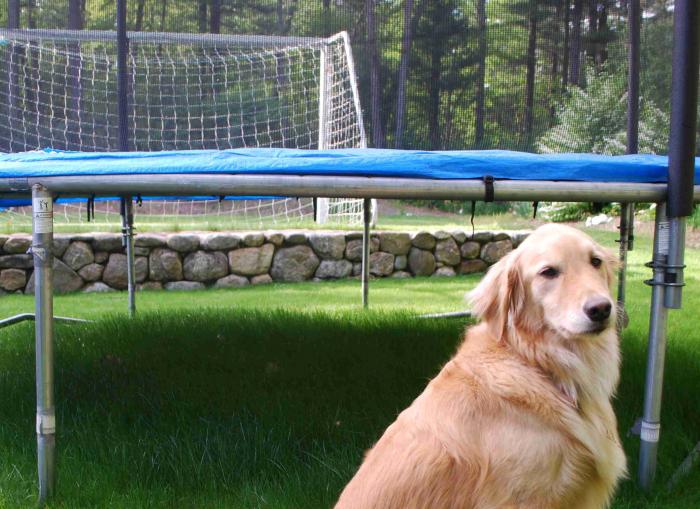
x=254, y=409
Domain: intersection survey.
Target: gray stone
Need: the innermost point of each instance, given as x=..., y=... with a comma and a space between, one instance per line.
x=421, y=262
x=3, y=239
x=115, y=271
x=501, y=236
x=356, y=269
x=423, y=240
x=334, y=269
x=78, y=255
x=395, y=243
x=470, y=250
x=149, y=240
x=220, y=241
x=98, y=287
x=401, y=274
x=353, y=249
x=447, y=252
x=295, y=238
x=494, y=251
x=231, y=281
x=205, y=266
x=472, y=266
x=459, y=236
x=17, y=245
x=141, y=251
x=12, y=279
x=262, y=279
x=251, y=261
x=482, y=237
x=444, y=272
x=275, y=238
x=101, y=256
x=442, y=235
x=518, y=237
x=149, y=286
x=400, y=262
x=91, y=272
x=164, y=265
x=60, y=244
x=381, y=263
x=254, y=239
x=184, y=285
x=16, y=261
x=183, y=242
x=65, y=279
x=296, y=263
x=110, y=242
x=329, y=246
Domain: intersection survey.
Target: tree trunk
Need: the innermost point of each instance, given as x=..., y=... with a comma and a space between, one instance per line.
x=215, y=17
x=375, y=77
x=202, y=17
x=530, y=79
x=163, y=10
x=575, y=74
x=73, y=113
x=565, y=52
x=602, y=54
x=434, y=90
x=480, y=73
x=403, y=73
x=139, y=15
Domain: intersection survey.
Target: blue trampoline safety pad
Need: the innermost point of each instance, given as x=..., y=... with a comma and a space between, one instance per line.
x=344, y=162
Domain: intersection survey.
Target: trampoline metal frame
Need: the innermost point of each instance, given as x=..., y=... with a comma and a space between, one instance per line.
x=45, y=188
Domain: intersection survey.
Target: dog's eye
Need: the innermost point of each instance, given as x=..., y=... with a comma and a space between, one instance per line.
x=596, y=262
x=549, y=272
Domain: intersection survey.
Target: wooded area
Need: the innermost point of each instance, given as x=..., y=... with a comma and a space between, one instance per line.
x=534, y=75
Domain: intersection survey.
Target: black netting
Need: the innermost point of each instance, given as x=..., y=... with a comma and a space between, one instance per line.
x=546, y=75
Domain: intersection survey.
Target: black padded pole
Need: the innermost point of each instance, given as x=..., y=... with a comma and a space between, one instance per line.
x=684, y=98
x=122, y=77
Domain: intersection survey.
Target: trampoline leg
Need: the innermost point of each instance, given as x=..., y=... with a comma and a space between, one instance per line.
x=656, y=352
x=42, y=241
x=127, y=213
x=367, y=217
x=626, y=221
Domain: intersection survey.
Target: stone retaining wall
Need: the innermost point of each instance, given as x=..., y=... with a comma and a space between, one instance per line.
x=190, y=261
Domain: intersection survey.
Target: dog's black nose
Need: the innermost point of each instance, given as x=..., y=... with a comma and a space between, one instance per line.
x=598, y=310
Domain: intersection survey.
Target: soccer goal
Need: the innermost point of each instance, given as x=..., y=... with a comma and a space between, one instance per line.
x=58, y=89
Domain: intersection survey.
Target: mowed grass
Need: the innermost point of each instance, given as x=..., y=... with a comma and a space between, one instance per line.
x=266, y=397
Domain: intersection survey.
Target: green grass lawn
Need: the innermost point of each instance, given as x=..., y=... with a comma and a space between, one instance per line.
x=266, y=397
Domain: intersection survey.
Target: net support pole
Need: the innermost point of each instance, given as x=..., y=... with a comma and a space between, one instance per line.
x=366, y=240
x=627, y=209
x=42, y=245
x=127, y=213
x=122, y=77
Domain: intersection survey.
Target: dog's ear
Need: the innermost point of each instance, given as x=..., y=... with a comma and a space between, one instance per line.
x=498, y=300
x=611, y=263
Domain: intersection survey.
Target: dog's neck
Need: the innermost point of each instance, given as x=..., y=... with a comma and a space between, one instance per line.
x=581, y=368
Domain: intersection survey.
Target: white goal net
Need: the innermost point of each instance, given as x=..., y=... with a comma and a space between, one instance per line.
x=58, y=89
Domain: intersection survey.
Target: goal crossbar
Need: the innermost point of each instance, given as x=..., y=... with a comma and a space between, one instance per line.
x=250, y=41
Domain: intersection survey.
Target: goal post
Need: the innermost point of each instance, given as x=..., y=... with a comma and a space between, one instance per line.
x=186, y=91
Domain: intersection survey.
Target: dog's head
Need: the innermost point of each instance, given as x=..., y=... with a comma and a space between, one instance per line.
x=558, y=280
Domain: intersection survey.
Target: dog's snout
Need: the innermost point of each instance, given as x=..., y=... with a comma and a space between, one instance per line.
x=598, y=310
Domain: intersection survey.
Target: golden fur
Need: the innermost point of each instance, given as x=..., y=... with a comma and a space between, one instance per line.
x=521, y=416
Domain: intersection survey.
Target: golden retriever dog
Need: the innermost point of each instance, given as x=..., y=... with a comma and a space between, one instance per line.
x=521, y=416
